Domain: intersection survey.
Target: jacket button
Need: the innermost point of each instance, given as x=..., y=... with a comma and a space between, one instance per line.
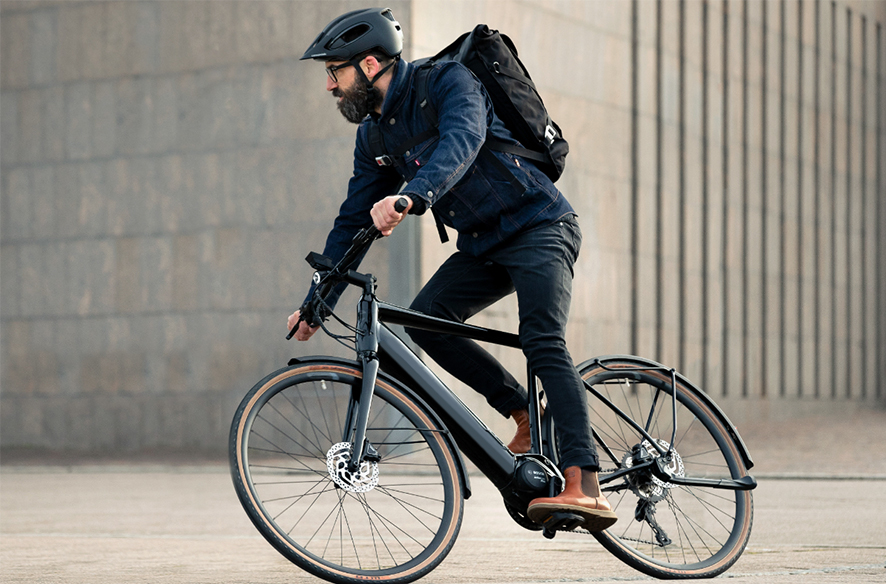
x=452, y=213
x=475, y=234
x=392, y=121
x=430, y=193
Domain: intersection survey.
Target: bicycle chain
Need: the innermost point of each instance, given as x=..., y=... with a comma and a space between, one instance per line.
x=586, y=532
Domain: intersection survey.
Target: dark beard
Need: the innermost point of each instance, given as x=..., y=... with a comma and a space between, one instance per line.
x=356, y=103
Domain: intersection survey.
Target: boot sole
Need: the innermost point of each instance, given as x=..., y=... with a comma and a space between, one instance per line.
x=594, y=519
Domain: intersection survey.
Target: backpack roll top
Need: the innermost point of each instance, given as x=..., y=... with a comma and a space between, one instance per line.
x=493, y=58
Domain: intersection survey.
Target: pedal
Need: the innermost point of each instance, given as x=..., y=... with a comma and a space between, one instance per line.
x=561, y=521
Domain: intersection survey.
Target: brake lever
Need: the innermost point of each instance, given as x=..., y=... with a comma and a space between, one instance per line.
x=295, y=328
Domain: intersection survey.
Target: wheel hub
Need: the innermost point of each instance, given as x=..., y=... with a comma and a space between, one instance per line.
x=363, y=480
x=645, y=484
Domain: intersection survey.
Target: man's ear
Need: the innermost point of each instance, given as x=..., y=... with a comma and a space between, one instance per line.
x=372, y=66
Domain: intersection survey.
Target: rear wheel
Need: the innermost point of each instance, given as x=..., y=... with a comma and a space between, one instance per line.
x=667, y=530
x=394, y=519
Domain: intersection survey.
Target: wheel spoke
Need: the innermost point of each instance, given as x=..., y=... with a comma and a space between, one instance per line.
x=704, y=525
x=293, y=493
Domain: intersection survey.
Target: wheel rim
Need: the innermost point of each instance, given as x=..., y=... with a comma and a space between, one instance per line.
x=390, y=518
x=684, y=530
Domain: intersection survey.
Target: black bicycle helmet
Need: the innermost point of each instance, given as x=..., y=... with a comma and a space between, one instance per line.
x=357, y=32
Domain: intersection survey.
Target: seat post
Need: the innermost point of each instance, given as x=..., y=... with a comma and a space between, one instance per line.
x=534, y=411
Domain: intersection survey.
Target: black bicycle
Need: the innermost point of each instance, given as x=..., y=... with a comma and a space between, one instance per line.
x=353, y=469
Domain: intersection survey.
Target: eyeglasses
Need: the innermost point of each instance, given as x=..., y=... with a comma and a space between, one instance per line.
x=333, y=68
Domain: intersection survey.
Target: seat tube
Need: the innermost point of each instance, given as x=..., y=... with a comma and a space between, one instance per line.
x=534, y=411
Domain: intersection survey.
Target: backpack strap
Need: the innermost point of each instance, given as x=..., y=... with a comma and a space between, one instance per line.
x=441, y=228
x=499, y=146
x=377, y=144
x=421, y=89
x=393, y=156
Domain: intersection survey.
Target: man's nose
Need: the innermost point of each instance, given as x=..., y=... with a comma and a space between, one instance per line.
x=330, y=84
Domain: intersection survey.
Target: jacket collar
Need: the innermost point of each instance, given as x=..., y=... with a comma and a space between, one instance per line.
x=397, y=89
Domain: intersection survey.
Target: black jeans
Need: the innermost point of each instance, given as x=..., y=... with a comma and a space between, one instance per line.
x=538, y=265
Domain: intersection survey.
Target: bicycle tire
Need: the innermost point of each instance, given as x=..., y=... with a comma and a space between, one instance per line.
x=285, y=469
x=705, y=530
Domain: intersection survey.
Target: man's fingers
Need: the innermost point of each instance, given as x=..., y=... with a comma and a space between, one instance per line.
x=385, y=217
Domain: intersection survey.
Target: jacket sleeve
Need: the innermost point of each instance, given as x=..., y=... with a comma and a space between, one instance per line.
x=463, y=115
x=368, y=184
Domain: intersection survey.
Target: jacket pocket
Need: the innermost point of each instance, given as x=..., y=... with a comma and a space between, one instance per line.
x=416, y=157
x=528, y=173
x=472, y=206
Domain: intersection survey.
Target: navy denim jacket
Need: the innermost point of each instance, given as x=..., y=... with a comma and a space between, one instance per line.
x=468, y=193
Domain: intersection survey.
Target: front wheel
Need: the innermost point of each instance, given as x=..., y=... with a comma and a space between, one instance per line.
x=664, y=529
x=394, y=519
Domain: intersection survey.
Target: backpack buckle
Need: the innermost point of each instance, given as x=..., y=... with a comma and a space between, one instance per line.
x=384, y=160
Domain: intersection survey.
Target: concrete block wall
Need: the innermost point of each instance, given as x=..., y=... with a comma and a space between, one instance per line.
x=723, y=233
x=165, y=167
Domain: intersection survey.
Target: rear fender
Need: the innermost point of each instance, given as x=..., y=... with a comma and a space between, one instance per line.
x=641, y=362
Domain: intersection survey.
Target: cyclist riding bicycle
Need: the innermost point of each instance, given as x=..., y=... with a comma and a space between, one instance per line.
x=516, y=233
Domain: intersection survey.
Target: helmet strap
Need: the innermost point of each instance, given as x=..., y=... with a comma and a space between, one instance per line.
x=371, y=82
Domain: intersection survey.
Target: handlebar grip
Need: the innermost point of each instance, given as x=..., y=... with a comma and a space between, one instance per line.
x=401, y=205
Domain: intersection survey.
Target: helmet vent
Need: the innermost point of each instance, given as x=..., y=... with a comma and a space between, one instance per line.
x=350, y=36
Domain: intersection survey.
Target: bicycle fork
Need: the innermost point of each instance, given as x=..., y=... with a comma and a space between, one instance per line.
x=367, y=352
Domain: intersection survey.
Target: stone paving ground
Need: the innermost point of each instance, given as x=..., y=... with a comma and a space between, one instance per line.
x=819, y=517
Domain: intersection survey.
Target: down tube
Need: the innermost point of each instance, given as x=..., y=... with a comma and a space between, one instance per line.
x=474, y=439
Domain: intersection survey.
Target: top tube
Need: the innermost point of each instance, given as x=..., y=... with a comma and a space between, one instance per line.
x=392, y=314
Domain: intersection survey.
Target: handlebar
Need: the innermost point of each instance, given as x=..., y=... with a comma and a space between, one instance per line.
x=325, y=282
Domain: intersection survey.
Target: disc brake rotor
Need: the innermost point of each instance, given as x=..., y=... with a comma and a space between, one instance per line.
x=363, y=480
x=655, y=489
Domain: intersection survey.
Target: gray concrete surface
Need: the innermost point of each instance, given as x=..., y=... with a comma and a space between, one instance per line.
x=154, y=526
x=819, y=517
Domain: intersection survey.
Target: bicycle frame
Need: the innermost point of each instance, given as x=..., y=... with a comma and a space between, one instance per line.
x=378, y=346
x=627, y=395
x=474, y=439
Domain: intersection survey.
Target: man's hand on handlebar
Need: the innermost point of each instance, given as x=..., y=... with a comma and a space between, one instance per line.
x=304, y=331
x=385, y=216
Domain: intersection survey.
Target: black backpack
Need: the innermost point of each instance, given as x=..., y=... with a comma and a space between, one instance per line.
x=493, y=59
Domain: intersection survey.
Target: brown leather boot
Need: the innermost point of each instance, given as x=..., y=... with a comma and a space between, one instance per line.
x=581, y=496
x=522, y=441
